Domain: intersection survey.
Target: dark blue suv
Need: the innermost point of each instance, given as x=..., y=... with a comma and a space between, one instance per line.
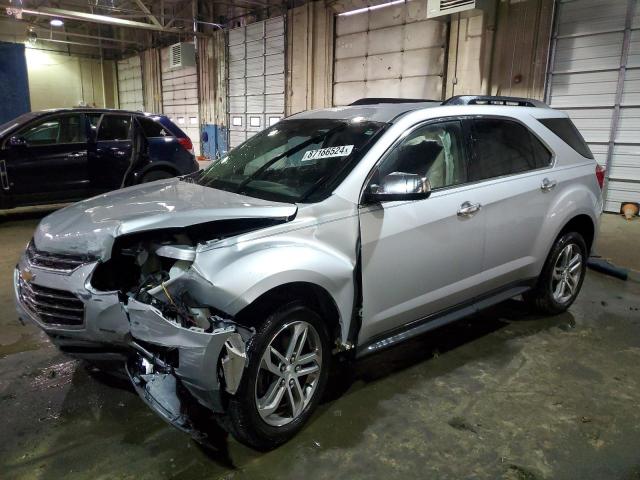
x=65, y=155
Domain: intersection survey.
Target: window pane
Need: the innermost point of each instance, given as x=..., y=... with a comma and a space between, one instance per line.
x=501, y=147
x=434, y=151
x=114, y=127
x=94, y=119
x=44, y=133
x=63, y=129
x=567, y=131
x=541, y=154
x=151, y=128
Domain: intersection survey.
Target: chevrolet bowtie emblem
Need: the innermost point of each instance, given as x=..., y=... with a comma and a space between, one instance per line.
x=26, y=275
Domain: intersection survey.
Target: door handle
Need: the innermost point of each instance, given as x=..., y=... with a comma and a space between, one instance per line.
x=468, y=209
x=4, y=177
x=548, y=185
x=75, y=155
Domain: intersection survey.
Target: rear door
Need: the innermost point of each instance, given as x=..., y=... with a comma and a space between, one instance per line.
x=51, y=162
x=113, y=153
x=516, y=186
x=421, y=257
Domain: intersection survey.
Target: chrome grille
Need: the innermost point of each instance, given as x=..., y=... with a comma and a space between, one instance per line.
x=51, y=306
x=54, y=261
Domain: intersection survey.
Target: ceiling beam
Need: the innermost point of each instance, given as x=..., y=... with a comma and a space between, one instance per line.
x=150, y=15
x=46, y=33
x=95, y=18
x=82, y=44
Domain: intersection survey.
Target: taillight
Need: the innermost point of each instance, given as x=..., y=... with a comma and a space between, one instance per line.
x=600, y=170
x=186, y=143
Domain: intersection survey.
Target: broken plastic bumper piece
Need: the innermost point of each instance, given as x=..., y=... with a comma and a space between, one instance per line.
x=206, y=361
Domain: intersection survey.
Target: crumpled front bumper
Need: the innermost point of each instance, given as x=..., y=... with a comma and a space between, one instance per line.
x=207, y=362
x=103, y=327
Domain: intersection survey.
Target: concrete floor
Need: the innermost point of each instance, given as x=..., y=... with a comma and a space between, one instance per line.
x=502, y=395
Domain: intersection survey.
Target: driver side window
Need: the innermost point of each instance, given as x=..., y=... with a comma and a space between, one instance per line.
x=55, y=130
x=434, y=151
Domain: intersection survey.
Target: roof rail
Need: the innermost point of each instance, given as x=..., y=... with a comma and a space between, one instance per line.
x=494, y=100
x=376, y=101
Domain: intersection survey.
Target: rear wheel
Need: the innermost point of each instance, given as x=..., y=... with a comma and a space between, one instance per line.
x=154, y=175
x=562, y=275
x=288, y=365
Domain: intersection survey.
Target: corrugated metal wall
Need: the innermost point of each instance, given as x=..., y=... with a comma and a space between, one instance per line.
x=180, y=98
x=389, y=52
x=130, y=84
x=256, y=78
x=595, y=78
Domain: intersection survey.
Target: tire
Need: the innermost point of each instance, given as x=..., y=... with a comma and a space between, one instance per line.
x=154, y=175
x=257, y=427
x=559, y=283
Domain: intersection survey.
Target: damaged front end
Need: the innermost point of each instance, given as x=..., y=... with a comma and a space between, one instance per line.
x=185, y=351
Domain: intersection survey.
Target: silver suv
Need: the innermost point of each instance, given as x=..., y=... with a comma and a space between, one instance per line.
x=339, y=230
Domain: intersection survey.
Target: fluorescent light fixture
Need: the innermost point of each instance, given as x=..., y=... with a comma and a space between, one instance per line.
x=373, y=7
x=56, y=22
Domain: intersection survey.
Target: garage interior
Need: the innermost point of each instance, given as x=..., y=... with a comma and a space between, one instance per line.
x=503, y=394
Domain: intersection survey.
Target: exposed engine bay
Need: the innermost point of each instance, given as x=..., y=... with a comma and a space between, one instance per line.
x=185, y=348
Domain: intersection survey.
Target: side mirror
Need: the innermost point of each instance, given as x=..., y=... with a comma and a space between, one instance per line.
x=17, y=142
x=399, y=186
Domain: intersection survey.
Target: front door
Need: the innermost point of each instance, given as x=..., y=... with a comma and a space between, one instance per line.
x=111, y=155
x=421, y=257
x=47, y=160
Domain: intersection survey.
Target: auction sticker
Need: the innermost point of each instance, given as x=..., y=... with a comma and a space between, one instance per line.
x=339, y=151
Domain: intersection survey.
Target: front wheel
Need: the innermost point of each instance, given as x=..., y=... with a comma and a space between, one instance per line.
x=562, y=275
x=289, y=357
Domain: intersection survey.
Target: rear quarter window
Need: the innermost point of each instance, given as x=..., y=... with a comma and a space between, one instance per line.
x=152, y=129
x=567, y=131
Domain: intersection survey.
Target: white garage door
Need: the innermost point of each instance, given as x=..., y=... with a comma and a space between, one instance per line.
x=389, y=52
x=130, y=84
x=593, y=40
x=256, y=78
x=180, y=98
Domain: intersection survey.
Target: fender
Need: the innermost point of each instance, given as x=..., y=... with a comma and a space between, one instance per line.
x=236, y=275
x=573, y=200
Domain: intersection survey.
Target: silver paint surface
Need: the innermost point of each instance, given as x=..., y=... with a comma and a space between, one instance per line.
x=418, y=257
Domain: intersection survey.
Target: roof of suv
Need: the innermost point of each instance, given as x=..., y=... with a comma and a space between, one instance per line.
x=380, y=112
x=93, y=110
x=388, y=109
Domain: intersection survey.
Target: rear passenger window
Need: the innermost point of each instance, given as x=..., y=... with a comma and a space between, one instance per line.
x=503, y=147
x=114, y=127
x=151, y=128
x=567, y=131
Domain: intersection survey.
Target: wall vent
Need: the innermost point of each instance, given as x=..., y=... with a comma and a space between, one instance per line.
x=182, y=55
x=437, y=8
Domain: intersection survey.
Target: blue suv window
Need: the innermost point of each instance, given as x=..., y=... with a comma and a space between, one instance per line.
x=114, y=127
x=151, y=128
x=55, y=130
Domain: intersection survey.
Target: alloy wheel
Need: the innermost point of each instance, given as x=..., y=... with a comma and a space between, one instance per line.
x=288, y=374
x=566, y=273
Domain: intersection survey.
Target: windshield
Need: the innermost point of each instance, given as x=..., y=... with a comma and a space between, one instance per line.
x=294, y=160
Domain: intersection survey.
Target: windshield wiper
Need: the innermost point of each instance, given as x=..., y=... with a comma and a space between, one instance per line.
x=291, y=151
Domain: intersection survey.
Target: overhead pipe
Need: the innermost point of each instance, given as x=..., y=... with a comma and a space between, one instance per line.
x=95, y=18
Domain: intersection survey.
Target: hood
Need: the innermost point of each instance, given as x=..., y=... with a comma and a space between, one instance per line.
x=90, y=227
